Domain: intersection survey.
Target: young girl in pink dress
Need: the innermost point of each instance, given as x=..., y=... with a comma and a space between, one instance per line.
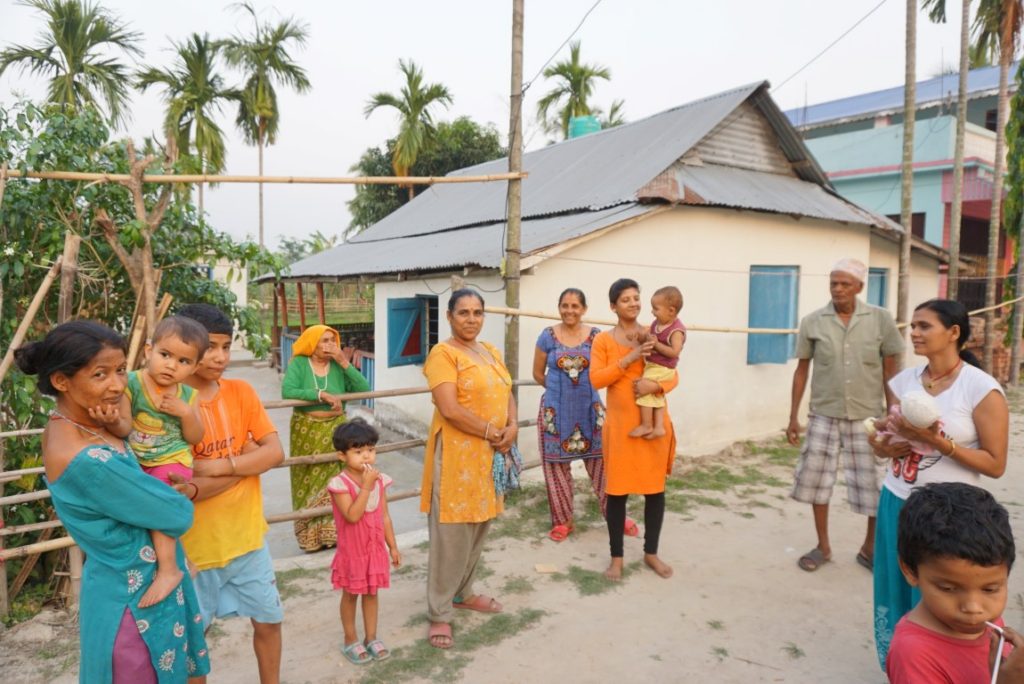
x=365, y=534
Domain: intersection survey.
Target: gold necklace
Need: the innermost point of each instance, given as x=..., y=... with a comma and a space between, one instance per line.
x=935, y=379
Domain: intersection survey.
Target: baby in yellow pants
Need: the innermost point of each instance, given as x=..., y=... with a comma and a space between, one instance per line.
x=669, y=335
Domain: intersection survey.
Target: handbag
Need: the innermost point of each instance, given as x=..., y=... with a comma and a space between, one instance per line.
x=505, y=470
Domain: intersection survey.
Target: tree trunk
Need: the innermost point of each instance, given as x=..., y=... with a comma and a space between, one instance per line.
x=1018, y=309
x=261, y=142
x=907, y=180
x=956, y=210
x=995, y=221
x=202, y=187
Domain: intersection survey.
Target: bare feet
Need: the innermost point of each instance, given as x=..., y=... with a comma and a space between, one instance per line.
x=655, y=433
x=641, y=431
x=657, y=565
x=614, y=571
x=164, y=582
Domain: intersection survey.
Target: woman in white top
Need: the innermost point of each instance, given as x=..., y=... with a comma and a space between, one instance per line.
x=969, y=441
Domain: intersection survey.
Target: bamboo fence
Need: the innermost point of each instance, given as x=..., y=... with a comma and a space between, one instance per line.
x=286, y=180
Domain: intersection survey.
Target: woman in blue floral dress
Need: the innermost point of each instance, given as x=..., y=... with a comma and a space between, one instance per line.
x=571, y=412
x=108, y=504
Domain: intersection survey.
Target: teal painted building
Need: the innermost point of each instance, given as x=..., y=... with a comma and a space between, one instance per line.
x=858, y=141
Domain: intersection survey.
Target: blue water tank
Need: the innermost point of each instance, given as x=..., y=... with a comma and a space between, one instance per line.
x=582, y=125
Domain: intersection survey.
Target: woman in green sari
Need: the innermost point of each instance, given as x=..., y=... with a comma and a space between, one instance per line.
x=318, y=371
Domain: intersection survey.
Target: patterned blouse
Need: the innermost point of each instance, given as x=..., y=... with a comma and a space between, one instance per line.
x=108, y=505
x=571, y=413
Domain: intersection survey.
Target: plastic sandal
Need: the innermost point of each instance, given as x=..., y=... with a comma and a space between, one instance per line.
x=631, y=530
x=378, y=650
x=558, y=533
x=356, y=654
x=442, y=630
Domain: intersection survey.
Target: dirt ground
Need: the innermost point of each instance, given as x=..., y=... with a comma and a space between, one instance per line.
x=737, y=609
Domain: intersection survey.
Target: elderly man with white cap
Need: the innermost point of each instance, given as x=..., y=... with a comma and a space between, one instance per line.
x=856, y=349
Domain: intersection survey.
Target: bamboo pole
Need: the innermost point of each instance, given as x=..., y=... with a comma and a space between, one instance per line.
x=21, y=433
x=136, y=341
x=30, y=314
x=296, y=180
x=165, y=305
x=30, y=563
x=284, y=304
x=5, y=604
x=68, y=272
x=31, y=527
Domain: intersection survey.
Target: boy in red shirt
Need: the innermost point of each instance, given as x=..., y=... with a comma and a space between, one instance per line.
x=956, y=546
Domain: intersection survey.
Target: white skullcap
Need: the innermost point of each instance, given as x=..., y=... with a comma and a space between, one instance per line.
x=852, y=266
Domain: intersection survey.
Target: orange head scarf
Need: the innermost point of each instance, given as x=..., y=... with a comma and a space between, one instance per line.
x=306, y=344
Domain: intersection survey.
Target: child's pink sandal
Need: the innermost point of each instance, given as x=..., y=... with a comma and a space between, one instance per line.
x=378, y=650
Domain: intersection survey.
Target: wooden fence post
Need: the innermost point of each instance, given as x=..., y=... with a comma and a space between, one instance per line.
x=65, y=299
x=320, y=305
x=4, y=605
x=302, y=305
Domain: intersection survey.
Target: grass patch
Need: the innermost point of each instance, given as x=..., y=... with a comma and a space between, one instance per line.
x=526, y=514
x=289, y=582
x=720, y=652
x=793, y=651
x=517, y=584
x=716, y=625
x=745, y=514
x=411, y=570
x=779, y=453
x=422, y=546
x=591, y=582
x=60, y=655
x=423, y=661
x=214, y=632
x=679, y=502
x=719, y=478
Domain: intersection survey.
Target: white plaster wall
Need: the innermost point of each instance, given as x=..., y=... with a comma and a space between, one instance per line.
x=707, y=253
x=417, y=408
x=924, y=280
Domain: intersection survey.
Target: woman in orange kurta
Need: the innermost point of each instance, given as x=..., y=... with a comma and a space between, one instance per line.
x=474, y=416
x=633, y=465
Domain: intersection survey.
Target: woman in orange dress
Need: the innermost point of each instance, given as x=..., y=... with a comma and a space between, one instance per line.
x=632, y=465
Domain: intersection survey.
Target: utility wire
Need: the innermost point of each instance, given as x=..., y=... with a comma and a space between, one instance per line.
x=830, y=45
x=527, y=85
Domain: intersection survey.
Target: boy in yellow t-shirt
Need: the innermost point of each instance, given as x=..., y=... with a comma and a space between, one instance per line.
x=226, y=542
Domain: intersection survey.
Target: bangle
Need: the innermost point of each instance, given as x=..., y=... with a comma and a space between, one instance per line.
x=319, y=395
x=952, y=447
x=233, y=466
x=487, y=429
x=193, y=497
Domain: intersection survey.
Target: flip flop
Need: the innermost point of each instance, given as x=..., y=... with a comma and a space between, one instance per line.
x=631, y=530
x=480, y=603
x=866, y=561
x=440, y=629
x=812, y=560
x=558, y=533
x=378, y=650
x=356, y=653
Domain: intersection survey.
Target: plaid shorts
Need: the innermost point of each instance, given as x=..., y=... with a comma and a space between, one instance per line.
x=819, y=462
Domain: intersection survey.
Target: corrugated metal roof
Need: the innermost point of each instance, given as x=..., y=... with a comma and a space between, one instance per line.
x=980, y=82
x=731, y=187
x=591, y=172
x=477, y=246
x=582, y=185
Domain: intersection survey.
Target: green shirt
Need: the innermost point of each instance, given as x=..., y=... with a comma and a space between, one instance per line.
x=300, y=382
x=846, y=380
x=156, y=437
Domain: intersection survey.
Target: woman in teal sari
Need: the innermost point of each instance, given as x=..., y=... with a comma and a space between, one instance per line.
x=108, y=505
x=318, y=371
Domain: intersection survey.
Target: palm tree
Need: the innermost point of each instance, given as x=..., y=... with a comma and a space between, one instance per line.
x=413, y=104
x=265, y=59
x=194, y=92
x=907, y=171
x=937, y=13
x=74, y=53
x=614, y=117
x=997, y=27
x=576, y=85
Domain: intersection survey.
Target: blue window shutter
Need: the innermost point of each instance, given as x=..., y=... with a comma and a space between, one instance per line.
x=772, y=304
x=878, y=286
x=404, y=319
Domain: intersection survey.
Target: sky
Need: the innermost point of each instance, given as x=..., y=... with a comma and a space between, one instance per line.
x=661, y=53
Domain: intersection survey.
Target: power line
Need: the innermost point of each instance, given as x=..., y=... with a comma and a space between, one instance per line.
x=564, y=42
x=830, y=45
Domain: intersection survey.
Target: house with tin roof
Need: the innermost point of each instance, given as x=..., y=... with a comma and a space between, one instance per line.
x=719, y=197
x=858, y=141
